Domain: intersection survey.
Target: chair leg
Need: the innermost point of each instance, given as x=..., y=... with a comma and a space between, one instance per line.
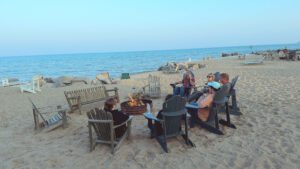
x=227, y=122
x=163, y=143
x=91, y=137
x=234, y=109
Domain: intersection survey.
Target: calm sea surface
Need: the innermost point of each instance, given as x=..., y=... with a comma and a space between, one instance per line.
x=91, y=64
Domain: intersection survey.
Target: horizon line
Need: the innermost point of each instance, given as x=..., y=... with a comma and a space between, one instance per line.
x=134, y=51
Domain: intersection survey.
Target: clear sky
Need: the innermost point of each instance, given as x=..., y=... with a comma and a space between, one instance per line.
x=77, y=26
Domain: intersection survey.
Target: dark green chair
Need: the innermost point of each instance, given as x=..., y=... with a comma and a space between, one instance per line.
x=173, y=112
x=125, y=76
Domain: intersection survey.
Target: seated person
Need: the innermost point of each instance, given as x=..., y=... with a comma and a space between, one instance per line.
x=196, y=95
x=157, y=125
x=224, y=79
x=118, y=116
x=188, y=82
x=205, y=102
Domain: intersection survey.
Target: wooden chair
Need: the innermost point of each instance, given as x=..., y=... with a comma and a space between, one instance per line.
x=77, y=98
x=212, y=124
x=104, y=78
x=56, y=117
x=104, y=127
x=153, y=87
x=173, y=113
x=32, y=87
x=125, y=76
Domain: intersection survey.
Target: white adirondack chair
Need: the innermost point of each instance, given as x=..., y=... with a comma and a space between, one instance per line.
x=10, y=82
x=32, y=87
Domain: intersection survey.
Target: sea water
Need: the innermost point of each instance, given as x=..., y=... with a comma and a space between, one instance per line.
x=91, y=64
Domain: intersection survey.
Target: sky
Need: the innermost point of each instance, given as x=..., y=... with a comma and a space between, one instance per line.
x=34, y=27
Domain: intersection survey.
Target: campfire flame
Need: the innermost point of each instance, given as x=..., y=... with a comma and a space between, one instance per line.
x=134, y=101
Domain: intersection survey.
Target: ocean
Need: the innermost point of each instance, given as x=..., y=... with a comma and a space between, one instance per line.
x=91, y=64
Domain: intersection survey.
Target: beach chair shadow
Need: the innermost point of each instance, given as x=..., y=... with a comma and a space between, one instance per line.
x=173, y=113
x=152, y=89
x=103, y=125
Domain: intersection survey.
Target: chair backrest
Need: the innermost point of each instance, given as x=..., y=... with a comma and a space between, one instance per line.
x=217, y=76
x=104, y=78
x=221, y=95
x=36, y=83
x=87, y=94
x=154, y=86
x=173, y=111
x=233, y=82
x=103, y=129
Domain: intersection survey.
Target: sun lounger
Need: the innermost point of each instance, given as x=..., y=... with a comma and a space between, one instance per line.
x=173, y=113
x=104, y=127
x=255, y=62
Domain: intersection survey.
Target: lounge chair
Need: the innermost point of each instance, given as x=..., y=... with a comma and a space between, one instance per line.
x=104, y=127
x=52, y=118
x=173, y=112
x=105, y=78
x=153, y=87
x=255, y=62
x=10, y=82
x=125, y=76
x=212, y=124
x=32, y=87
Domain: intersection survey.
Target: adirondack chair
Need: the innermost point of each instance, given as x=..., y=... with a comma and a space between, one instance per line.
x=32, y=87
x=125, y=76
x=212, y=124
x=104, y=127
x=10, y=82
x=173, y=112
x=153, y=87
x=105, y=78
x=51, y=117
x=234, y=109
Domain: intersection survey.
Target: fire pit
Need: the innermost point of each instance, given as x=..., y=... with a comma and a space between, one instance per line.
x=135, y=106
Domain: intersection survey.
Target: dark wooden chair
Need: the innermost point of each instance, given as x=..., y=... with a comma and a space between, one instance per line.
x=212, y=124
x=104, y=127
x=173, y=113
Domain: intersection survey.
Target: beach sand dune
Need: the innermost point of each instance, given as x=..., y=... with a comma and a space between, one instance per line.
x=267, y=134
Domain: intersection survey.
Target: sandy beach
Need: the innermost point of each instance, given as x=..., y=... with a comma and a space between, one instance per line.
x=267, y=134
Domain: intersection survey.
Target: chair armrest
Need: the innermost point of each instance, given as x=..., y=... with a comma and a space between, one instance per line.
x=99, y=121
x=125, y=122
x=150, y=116
x=145, y=86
